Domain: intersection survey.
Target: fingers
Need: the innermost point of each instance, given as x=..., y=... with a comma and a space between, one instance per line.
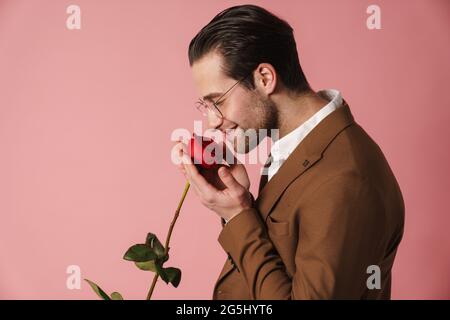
x=201, y=185
x=197, y=179
x=180, y=149
x=240, y=174
x=177, y=151
x=229, y=181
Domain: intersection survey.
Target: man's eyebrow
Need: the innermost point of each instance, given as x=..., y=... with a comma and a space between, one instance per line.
x=211, y=96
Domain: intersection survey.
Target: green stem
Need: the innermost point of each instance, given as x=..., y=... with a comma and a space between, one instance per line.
x=166, y=247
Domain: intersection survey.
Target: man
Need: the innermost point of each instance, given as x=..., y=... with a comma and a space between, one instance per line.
x=329, y=215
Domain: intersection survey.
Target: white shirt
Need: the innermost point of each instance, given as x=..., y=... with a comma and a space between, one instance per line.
x=282, y=148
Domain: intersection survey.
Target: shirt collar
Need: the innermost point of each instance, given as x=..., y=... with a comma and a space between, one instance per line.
x=282, y=148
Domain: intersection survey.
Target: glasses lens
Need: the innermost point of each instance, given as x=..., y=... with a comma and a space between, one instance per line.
x=202, y=108
x=205, y=107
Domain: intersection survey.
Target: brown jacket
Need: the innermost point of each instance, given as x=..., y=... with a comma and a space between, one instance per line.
x=333, y=209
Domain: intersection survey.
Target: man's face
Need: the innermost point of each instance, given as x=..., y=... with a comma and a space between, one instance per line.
x=242, y=109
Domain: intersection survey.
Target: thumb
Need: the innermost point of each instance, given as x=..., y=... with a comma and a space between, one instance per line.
x=228, y=179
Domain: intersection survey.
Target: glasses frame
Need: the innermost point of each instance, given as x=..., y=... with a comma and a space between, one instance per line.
x=202, y=104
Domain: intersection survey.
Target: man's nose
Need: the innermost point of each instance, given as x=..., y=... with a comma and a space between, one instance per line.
x=214, y=121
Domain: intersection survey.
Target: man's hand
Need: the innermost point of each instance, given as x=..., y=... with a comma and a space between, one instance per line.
x=224, y=189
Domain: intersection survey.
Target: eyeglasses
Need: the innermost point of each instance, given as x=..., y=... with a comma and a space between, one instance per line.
x=205, y=106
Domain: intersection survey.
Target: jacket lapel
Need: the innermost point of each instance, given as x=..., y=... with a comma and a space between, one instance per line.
x=307, y=153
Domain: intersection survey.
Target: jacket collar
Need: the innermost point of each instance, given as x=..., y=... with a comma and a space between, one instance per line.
x=304, y=156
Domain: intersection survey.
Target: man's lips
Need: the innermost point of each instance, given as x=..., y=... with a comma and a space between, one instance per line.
x=228, y=129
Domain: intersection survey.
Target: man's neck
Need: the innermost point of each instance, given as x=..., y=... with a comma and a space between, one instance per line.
x=295, y=110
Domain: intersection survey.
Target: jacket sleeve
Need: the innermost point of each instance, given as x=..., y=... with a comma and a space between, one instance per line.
x=339, y=236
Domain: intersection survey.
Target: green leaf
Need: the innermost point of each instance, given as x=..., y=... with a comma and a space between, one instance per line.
x=155, y=244
x=116, y=296
x=146, y=266
x=98, y=290
x=172, y=275
x=140, y=253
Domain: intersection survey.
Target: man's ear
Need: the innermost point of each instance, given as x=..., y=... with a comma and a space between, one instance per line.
x=265, y=78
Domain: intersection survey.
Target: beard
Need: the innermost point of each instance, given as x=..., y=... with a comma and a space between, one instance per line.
x=262, y=117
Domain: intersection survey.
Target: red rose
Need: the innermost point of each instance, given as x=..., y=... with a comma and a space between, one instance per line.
x=205, y=158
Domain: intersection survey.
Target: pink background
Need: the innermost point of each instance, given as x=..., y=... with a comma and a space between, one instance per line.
x=86, y=118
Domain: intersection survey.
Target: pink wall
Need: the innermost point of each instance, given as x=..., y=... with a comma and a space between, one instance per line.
x=86, y=117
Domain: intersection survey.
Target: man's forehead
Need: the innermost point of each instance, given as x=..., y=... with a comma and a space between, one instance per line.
x=208, y=75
